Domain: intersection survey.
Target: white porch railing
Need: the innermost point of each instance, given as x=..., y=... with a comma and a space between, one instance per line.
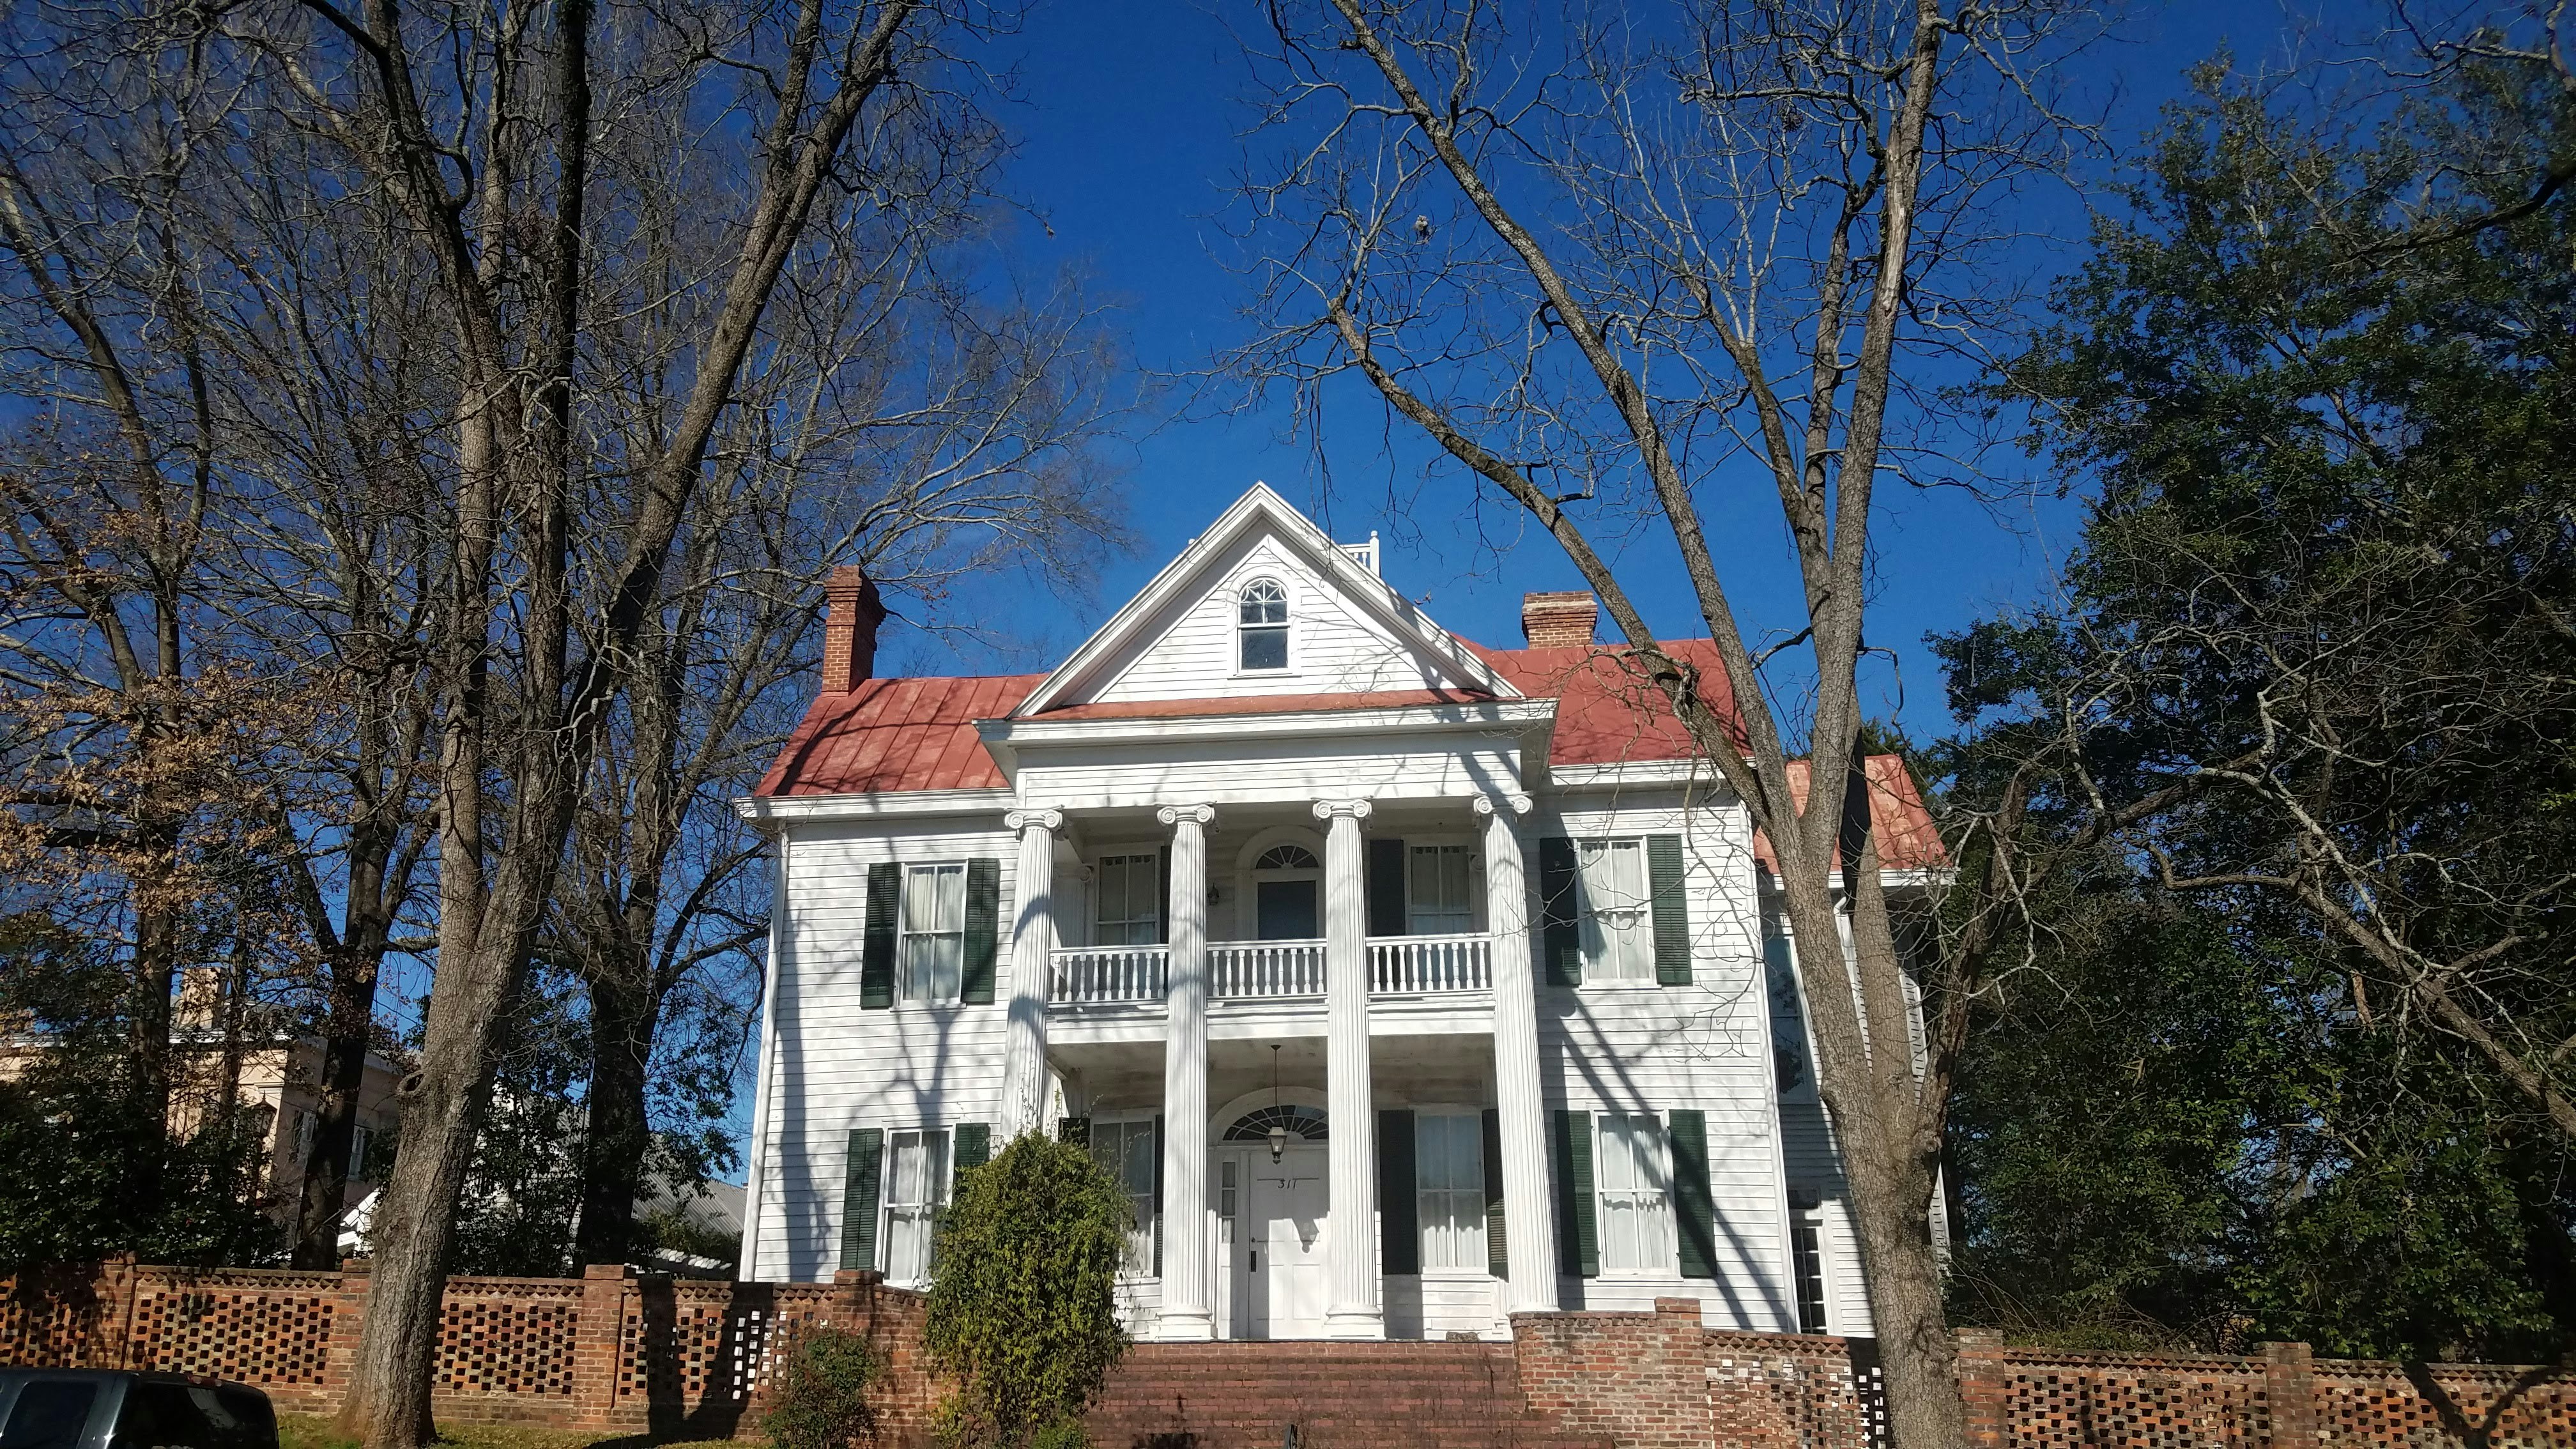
x=1254, y=970
x=1085, y=974
x=1429, y=965
x=1271, y=970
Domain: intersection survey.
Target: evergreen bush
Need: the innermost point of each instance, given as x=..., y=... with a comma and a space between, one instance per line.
x=1023, y=1296
x=821, y=1401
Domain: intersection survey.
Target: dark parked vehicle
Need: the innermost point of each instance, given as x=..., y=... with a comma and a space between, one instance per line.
x=112, y=1409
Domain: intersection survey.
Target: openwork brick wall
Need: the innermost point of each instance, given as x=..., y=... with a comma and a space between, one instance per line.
x=613, y=1351
x=622, y=1353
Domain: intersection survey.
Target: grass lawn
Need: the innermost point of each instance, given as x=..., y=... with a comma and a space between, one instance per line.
x=302, y=1431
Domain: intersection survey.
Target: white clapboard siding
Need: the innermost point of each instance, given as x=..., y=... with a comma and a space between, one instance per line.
x=1705, y=1046
x=1387, y=766
x=1807, y=1146
x=1188, y=652
x=840, y=1067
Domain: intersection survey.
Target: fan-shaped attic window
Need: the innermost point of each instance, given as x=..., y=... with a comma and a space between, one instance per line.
x=1262, y=626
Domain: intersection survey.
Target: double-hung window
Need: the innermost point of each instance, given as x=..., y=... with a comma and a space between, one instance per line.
x=1436, y=901
x=358, y=1144
x=1449, y=1185
x=916, y=1186
x=1635, y=1234
x=1130, y=901
x=1807, y=1250
x=1261, y=630
x=1617, y=919
x=934, y=931
x=1127, y=1150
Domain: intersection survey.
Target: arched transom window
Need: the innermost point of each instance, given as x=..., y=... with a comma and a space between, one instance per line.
x=1262, y=626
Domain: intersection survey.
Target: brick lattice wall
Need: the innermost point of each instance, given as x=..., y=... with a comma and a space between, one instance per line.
x=624, y=1353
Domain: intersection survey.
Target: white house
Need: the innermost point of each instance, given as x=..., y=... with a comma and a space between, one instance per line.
x=1404, y=983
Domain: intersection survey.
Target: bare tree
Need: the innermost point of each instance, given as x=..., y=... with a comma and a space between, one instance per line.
x=1640, y=256
x=901, y=421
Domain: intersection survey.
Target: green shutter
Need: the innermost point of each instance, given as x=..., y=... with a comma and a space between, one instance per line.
x=1559, y=940
x=1386, y=913
x=1498, y=1258
x=859, y=1197
x=876, y=957
x=1163, y=897
x=1076, y=1130
x=983, y=930
x=1695, y=1205
x=1158, y=1192
x=1671, y=911
x=974, y=1148
x=1578, y=1238
x=1399, y=1216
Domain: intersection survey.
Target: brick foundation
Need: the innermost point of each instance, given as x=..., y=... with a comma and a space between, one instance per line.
x=626, y=1354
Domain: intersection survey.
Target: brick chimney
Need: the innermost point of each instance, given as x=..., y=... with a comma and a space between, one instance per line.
x=1559, y=620
x=852, y=612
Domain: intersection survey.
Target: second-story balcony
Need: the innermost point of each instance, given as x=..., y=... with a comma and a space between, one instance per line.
x=1406, y=966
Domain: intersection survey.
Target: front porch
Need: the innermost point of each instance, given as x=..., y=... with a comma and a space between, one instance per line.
x=1432, y=1232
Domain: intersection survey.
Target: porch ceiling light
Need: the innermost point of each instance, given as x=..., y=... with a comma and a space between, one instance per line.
x=1278, y=1143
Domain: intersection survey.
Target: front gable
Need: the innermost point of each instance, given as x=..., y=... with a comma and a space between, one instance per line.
x=1347, y=632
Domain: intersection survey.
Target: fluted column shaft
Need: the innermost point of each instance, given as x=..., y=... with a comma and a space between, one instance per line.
x=1024, y=1069
x=1189, y=1234
x=1527, y=1239
x=1353, y=1310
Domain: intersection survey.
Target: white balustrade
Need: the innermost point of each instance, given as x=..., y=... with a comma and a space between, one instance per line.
x=1241, y=970
x=1429, y=965
x=1270, y=970
x=1108, y=973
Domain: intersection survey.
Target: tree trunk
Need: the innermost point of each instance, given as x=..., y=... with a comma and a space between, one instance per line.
x=344, y=1073
x=622, y=1014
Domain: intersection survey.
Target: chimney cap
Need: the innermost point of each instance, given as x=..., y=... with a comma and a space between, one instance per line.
x=1559, y=619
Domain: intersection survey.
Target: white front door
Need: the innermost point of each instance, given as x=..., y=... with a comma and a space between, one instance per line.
x=1282, y=1251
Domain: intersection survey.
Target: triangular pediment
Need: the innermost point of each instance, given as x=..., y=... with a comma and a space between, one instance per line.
x=1347, y=633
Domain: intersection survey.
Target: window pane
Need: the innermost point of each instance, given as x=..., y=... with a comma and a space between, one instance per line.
x=1265, y=648
x=49, y=1415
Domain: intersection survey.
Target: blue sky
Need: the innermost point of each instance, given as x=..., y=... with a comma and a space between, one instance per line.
x=1128, y=130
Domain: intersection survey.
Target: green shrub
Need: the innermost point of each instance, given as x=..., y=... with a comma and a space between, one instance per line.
x=821, y=1401
x=1023, y=1296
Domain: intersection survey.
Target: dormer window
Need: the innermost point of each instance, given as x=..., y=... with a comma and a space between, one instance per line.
x=1262, y=627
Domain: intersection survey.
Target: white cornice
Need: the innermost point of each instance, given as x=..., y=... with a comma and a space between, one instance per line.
x=1322, y=554
x=766, y=809
x=1634, y=773
x=1509, y=714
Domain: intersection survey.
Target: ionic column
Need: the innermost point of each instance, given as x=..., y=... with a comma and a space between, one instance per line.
x=1350, y=1250
x=1024, y=1070
x=1527, y=1237
x=1189, y=1232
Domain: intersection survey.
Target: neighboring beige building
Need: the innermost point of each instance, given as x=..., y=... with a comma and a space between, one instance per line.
x=279, y=1076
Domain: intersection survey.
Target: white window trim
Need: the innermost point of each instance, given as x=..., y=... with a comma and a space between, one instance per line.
x=1235, y=627
x=1814, y=1217
x=1593, y=980
x=1475, y=879
x=1668, y=1265
x=1098, y=868
x=903, y=933
x=1472, y=1272
x=1144, y=1117
x=886, y=1205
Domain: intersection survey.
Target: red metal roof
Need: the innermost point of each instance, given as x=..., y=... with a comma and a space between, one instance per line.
x=919, y=734
x=1907, y=838
x=897, y=734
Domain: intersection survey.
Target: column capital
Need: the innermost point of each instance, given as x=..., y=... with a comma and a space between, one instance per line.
x=1335, y=809
x=1047, y=820
x=1195, y=814
x=1487, y=806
